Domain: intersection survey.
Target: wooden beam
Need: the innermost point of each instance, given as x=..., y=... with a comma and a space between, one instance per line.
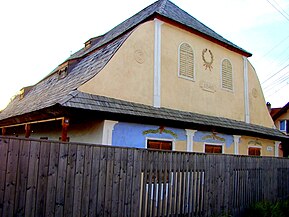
x=65, y=124
x=27, y=130
x=3, y=131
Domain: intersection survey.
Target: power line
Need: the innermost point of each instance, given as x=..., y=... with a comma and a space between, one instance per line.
x=279, y=89
x=275, y=73
x=278, y=10
x=281, y=8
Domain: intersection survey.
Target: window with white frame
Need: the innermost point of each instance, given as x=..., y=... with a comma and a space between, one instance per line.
x=254, y=151
x=284, y=126
x=227, y=75
x=213, y=148
x=158, y=144
x=186, y=62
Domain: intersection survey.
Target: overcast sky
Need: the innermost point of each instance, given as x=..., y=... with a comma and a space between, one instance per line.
x=36, y=36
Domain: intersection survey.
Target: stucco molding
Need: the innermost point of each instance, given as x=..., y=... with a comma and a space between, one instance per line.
x=108, y=127
x=246, y=91
x=277, y=143
x=190, y=139
x=157, y=64
x=236, y=139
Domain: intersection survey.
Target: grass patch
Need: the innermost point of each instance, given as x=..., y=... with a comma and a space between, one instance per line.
x=268, y=209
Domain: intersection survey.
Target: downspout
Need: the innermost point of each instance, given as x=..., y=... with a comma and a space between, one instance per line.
x=157, y=64
x=246, y=91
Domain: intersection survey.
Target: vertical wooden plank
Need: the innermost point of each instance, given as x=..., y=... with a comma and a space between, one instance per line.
x=122, y=182
x=174, y=184
x=11, y=178
x=129, y=181
x=22, y=177
x=4, y=144
x=170, y=183
x=102, y=182
x=186, y=183
x=93, y=193
x=159, y=185
x=154, y=183
x=144, y=197
x=165, y=165
x=30, y=207
x=86, y=180
x=79, y=170
x=116, y=182
x=42, y=179
x=135, y=205
x=52, y=179
x=70, y=180
x=207, y=187
x=109, y=181
x=61, y=179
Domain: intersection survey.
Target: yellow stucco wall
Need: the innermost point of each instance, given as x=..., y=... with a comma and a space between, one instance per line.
x=267, y=146
x=259, y=113
x=91, y=131
x=183, y=94
x=129, y=74
x=180, y=146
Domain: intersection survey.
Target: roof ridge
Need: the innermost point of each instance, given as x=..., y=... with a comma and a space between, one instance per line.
x=162, y=6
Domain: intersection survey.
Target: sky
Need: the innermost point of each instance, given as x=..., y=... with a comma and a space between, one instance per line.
x=36, y=36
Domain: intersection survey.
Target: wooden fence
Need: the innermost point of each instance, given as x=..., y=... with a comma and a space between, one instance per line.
x=44, y=178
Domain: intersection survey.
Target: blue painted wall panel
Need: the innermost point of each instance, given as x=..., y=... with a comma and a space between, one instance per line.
x=134, y=135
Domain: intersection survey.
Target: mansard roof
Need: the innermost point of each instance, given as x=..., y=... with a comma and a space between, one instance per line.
x=163, y=9
x=86, y=63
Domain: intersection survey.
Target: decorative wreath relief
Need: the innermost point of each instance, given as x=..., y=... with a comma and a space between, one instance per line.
x=207, y=64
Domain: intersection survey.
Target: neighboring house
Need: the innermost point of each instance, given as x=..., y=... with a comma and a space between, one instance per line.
x=280, y=117
x=161, y=79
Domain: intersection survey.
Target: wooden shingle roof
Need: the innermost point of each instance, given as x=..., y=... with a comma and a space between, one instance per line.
x=97, y=103
x=53, y=91
x=163, y=9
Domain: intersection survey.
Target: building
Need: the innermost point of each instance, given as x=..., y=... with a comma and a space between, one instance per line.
x=161, y=79
x=280, y=117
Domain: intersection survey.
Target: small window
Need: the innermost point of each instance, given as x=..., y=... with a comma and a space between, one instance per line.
x=159, y=144
x=283, y=125
x=227, y=75
x=186, y=61
x=213, y=148
x=253, y=151
x=62, y=73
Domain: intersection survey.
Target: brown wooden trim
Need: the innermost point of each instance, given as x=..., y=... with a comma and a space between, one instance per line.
x=3, y=131
x=27, y=130
x=65, y=124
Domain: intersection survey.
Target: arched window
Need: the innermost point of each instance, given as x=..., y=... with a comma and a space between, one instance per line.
x=186, y=61
x=227, y=75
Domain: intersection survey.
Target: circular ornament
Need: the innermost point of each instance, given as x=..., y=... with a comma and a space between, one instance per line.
x=207, y=64
x=139, y=56
x=254, y=92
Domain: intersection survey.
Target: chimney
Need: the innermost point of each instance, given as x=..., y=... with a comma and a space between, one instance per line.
x=268, y=104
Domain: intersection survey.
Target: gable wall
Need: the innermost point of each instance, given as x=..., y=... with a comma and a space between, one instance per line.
x=259, y=113
x=182, y=94
x=129, y=74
